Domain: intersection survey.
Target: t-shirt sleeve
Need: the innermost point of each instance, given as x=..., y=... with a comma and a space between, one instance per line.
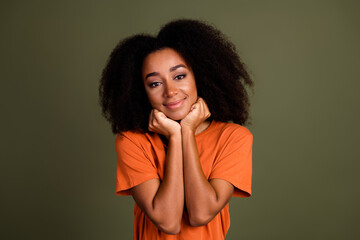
x=234, y=164
x=134, y=166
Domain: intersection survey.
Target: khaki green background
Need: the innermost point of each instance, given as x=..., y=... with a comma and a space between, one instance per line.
x=57, y=152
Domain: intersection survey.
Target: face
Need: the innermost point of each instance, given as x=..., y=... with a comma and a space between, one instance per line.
x=169, y=83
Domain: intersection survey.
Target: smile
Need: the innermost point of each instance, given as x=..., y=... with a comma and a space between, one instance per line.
x=175, y=104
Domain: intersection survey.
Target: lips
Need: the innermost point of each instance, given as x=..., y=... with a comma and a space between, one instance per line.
x=175, y=104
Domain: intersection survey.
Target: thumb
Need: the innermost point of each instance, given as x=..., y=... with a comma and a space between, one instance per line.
x=161, y=114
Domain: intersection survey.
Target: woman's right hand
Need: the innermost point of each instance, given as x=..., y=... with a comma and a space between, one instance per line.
x=163, y=125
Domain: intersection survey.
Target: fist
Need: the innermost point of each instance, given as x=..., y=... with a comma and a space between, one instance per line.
x=163, y=125
x=199, y=112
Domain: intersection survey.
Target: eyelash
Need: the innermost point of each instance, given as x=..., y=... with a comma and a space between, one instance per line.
x=178, y=77
x=154, y=84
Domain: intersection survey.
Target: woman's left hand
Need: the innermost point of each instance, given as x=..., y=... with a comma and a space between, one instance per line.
x=199, y=112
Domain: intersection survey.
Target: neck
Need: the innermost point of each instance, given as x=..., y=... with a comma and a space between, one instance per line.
x=202, y=127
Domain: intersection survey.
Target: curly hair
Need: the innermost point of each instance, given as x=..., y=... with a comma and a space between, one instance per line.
x=220, y=76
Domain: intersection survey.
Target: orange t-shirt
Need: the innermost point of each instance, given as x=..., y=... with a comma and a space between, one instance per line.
x=225, y=152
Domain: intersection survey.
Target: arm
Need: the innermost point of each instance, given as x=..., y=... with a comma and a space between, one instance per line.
x=203, y=199
x=163, y=202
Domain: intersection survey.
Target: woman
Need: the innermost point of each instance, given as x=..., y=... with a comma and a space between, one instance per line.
x=171, y=99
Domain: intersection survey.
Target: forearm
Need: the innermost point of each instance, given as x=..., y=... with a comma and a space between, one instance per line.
x=168, y=202
x=202, y=200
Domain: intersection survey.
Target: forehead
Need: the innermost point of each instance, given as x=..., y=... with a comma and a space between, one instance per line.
x=162, y=59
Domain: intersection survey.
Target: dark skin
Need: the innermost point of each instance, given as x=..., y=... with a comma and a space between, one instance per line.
x=184, y=181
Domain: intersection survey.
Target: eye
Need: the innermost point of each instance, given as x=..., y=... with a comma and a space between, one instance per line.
x=179, y=77
x=154, y=84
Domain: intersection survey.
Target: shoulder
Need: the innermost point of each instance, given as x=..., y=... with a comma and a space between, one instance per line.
x=130, y=136
x=230, y=129
x=132, y=139
x=222, y=134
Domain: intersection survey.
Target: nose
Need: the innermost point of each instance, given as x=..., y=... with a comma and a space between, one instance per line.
x=170, y=89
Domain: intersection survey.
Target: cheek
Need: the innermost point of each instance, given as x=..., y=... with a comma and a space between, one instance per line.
x=194, y=94
x=194, y=97
x=153, y=99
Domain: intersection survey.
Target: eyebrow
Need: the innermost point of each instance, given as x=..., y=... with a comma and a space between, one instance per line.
x=171, y=70
x=176, y=67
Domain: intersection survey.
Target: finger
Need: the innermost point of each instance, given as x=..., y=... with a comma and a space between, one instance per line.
x=162, y=115
x=150, y=125
x=159, y=115
x=208, y=111
x=208, y=114
x=203, y=108
x=155, y=119
x=153, y=122
x=194, y=106
x=151, y=117
x=155, y=113
x=202, y=102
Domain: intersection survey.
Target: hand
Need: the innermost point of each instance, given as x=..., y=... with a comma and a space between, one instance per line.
x=163, y=125
x=199, y=112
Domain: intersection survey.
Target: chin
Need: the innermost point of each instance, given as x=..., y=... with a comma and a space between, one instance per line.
x=176, y=116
